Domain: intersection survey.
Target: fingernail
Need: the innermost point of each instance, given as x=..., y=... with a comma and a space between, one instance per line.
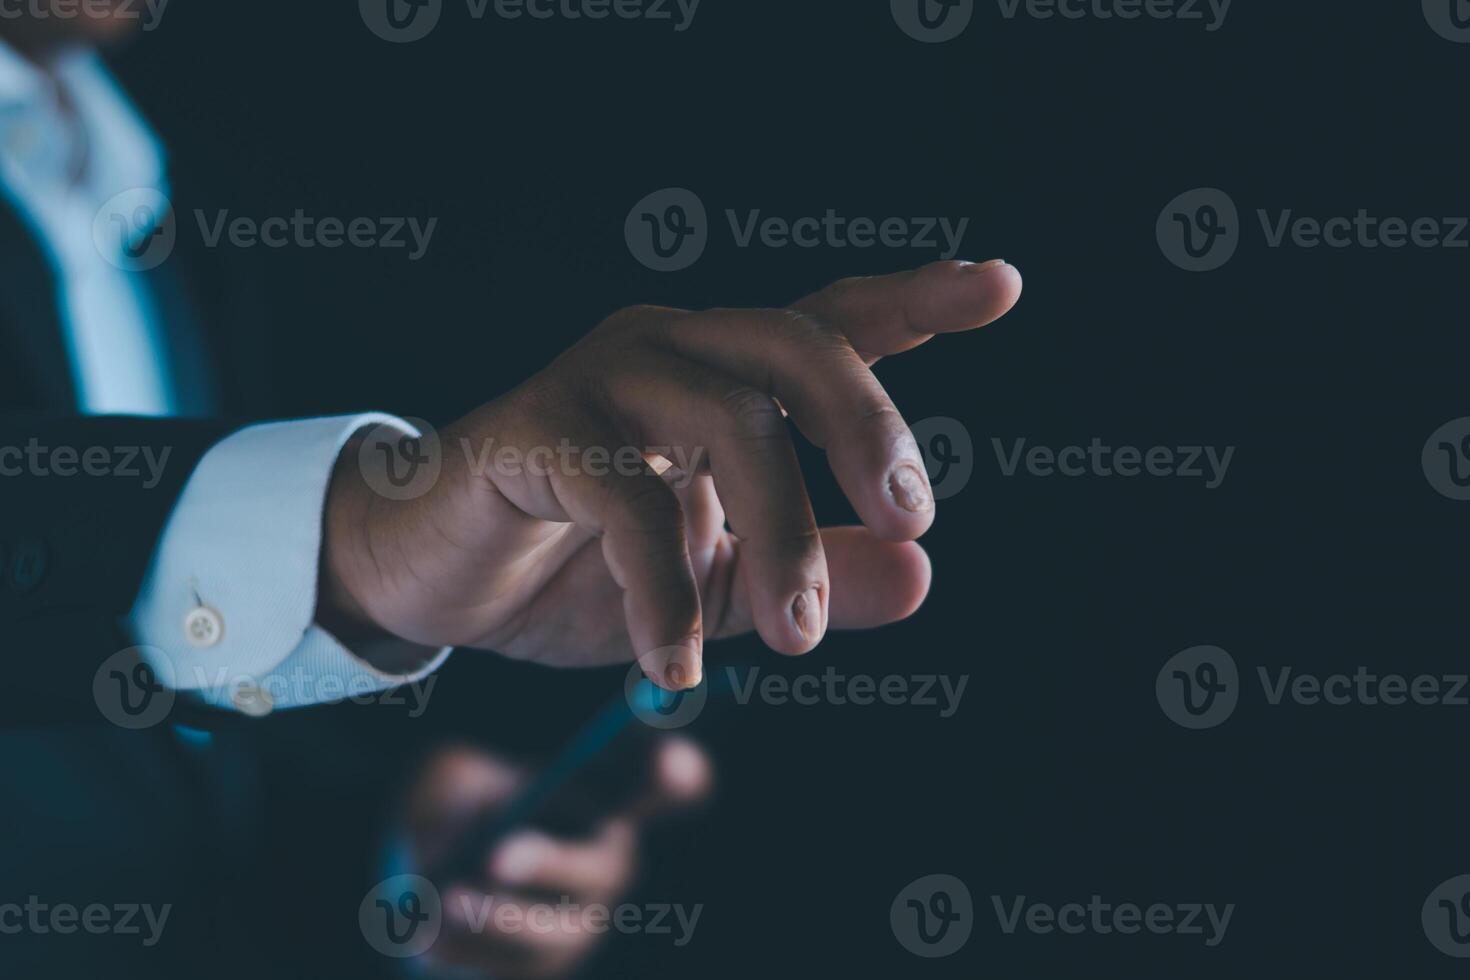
x=806, y=612
x=684, y=670
x=518, y=859
x=910, y=488
x=985, y=266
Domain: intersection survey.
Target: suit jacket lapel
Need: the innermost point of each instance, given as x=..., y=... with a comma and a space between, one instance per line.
x=192, y=368
x=31, y=319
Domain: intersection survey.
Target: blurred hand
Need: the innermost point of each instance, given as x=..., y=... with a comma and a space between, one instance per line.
x=460, y=786
x=582, y=565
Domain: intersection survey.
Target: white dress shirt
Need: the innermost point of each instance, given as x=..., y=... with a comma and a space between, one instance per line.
x=227, y=609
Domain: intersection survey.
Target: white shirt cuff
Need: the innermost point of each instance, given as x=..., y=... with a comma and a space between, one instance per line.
x=227, y=609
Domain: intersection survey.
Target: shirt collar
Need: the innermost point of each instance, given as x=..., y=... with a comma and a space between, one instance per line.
x=124, y=152
x=20, y=81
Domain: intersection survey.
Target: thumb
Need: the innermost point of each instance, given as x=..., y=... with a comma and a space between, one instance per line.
x=456, y=786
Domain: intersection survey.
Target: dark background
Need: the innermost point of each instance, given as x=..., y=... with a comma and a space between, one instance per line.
x=1061, y=140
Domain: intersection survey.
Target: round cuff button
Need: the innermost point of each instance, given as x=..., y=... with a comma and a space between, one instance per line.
x=252, y=700
x=203, y=627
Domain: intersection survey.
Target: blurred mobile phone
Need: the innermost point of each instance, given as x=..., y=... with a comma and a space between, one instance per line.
x=605, y=767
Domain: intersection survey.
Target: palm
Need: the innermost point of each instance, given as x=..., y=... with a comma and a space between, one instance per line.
x=570, y=609
x=567, y=609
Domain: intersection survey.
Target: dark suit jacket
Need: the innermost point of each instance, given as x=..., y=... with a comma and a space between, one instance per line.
x=227, y=837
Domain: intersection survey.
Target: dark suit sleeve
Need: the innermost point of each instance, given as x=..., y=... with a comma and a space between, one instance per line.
x=83, y=502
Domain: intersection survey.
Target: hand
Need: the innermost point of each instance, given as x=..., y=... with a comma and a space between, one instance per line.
x=575, y=563
x=459, y=786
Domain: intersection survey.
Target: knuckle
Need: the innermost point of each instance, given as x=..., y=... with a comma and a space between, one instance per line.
x=629, y=315
x=815, y=332
x=882, y=415
x=843, y=287
x=884, y=424
x=802, y=541
x=638, y=318
x=648, y=506
x=753, y=414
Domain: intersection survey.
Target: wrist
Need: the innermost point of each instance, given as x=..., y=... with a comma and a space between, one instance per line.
x=346, y=560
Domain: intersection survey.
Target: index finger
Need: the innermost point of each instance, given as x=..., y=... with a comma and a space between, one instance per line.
x=883, y=315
